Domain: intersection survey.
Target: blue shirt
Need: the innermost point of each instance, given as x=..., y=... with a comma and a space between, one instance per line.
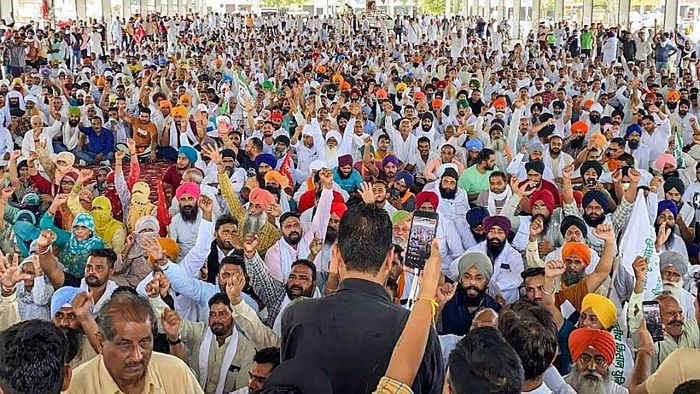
x=349, y=184
x=99, y=143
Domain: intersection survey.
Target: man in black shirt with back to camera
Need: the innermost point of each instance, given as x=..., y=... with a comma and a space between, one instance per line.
x=351, y=334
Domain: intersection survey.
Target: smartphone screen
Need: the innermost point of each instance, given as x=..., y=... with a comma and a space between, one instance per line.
x=422, y=233
x=652, y=317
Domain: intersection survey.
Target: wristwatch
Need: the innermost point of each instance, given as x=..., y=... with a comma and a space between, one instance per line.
x=175, y=342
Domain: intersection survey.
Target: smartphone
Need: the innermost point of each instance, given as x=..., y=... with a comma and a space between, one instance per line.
x=423, y=228
x=652, y=317
x=590, y=182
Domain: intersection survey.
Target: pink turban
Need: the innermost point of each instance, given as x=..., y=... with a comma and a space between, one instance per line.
x=665, y=159
x=261, y=197
x=190, y=188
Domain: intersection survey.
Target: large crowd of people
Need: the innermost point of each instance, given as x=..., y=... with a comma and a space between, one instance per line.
x=224, y=204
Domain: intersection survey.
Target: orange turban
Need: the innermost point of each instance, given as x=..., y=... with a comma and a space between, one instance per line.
x=599, y=140
x=578, y=249
x=345, y=85
x=179, y=111
x=588, y=103
x=186, y=98
x=321, y=69
x=170, y=247
x=583, y=338
x=579, y=127
x=276, y=176
x=673, y=96
x=381, y=94
x=261, y=197
x=500, y=103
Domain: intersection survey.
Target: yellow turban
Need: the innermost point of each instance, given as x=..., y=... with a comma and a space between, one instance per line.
x=276, y=176
x=602, y=307
x=179, y=111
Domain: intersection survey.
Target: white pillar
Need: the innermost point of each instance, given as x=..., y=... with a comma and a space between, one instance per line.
x=143, y=7
x=501, y=9
x=182, y=6
x=169, y=7
x=623, y=17
x=126, y=9
x=475, y=8
x=558, y=10
x=671, y=15
x=535, y=14
x=157, y=4
x=5, y=9
x=81, y=9
x=106, y=10
x=515, y=19
x=587, y=12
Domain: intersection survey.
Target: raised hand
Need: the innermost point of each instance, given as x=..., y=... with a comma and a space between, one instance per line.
x=207, y=206
x=6, y=193
x=171, y=324
x=445, y=293
x=132, y=146
x=640, y=266
x=82, y=306
x=163, y=283
x=84, y=175
x=605, y=231
x=250, y=245
x=119, y=156
x=663, y=235
x=567, y=171
x=326, y=176
x=234, y=288
x=536, y=227
x=634, y=176
x=10, y=273
x=46, y=239
x=15, y=154
x=154, y=250
x=366, y=193
x=213, y=153
x=554, y=269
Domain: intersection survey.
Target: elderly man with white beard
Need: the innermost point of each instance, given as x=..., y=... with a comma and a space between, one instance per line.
x=673, y=267
x=507, y=262
x=592, y=351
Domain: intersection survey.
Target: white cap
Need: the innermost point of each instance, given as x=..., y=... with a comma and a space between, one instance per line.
x=317, y=165
x=202, y=108
x=596, y=108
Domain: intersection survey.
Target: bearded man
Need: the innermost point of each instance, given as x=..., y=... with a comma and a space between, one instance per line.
x=474, y=276
x=593, y=352
x=185, y=225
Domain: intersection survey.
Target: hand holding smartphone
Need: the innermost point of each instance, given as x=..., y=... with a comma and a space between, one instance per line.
x=420, y=238
x=652, y=317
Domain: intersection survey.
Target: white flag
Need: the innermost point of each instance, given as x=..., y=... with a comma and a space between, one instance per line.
x=639, y=239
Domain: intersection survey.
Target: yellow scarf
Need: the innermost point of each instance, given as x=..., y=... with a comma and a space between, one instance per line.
x=105, y=225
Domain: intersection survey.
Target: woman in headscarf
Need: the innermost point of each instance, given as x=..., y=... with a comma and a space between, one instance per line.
x=134, y=196
x=111, y=231
x=133, y=265
x=74, y=246
x=25, y=230
x=34, y=294
x=63, y=180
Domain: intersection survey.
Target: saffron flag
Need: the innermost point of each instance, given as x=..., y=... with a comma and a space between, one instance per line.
x=162, y=213
x=286, y=167
x=639, y=239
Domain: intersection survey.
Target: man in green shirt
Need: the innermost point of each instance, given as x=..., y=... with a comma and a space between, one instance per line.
x=475, y=179
x=586, y=41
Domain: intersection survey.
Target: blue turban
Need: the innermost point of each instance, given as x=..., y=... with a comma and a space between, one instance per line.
x=267, y=158
x=390, y=159
x=62, y=297
x=596, y=196
x=189, y=153
x=406, y=176
x=476, y=216
x=667, y=204
x=475, y=145
x=633, y=128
